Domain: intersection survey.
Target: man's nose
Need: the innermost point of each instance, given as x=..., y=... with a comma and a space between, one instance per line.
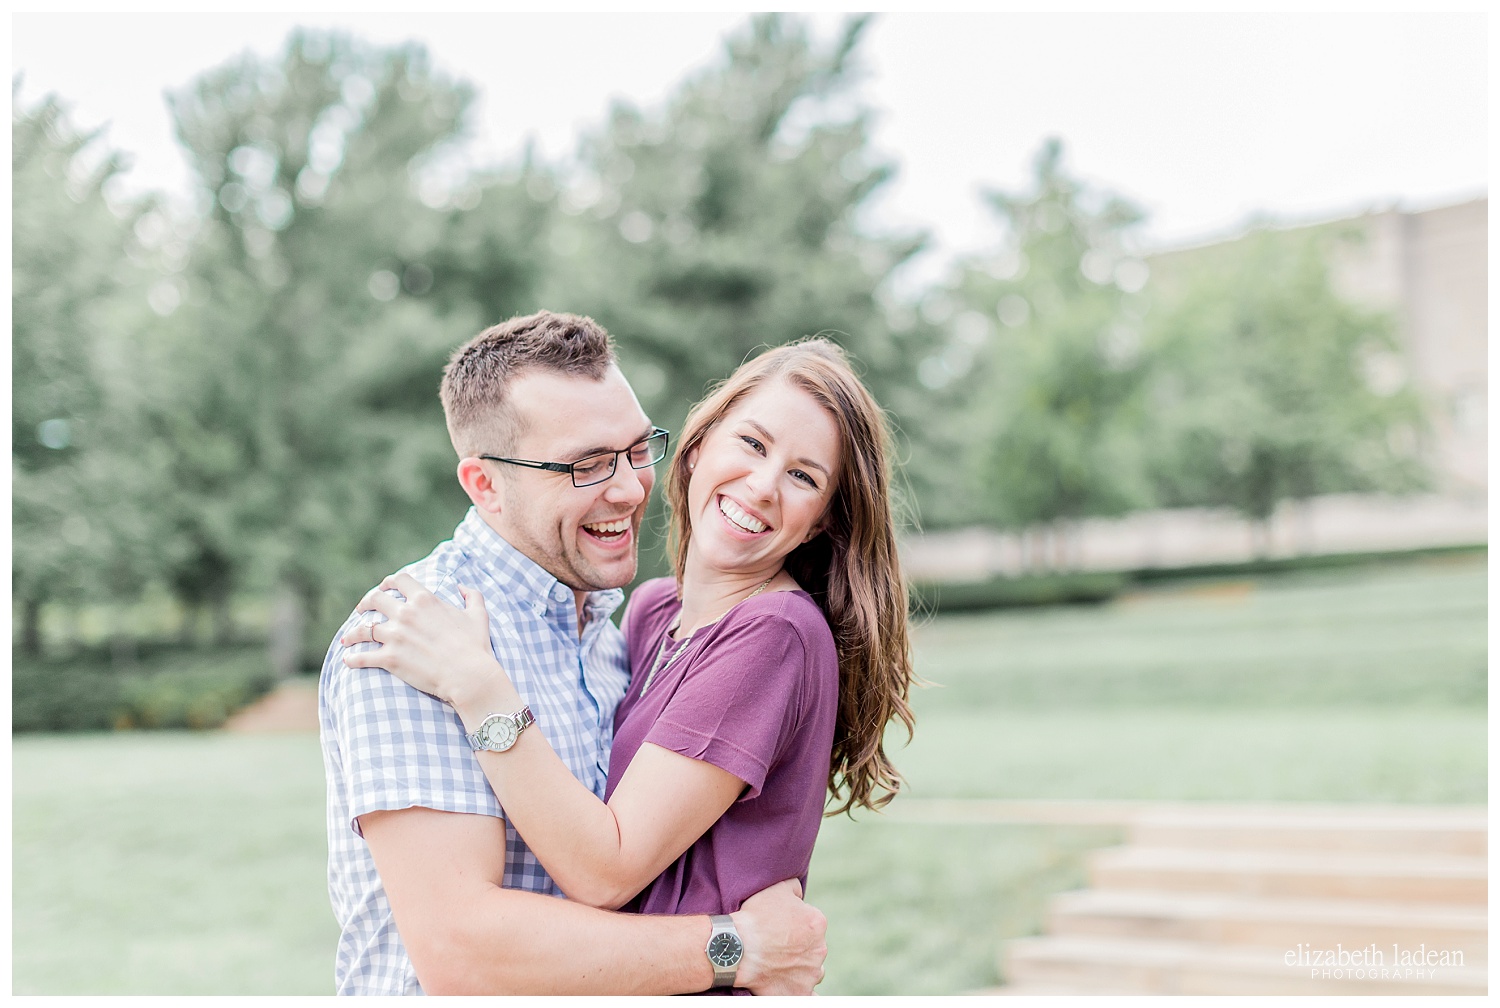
x=628, y=485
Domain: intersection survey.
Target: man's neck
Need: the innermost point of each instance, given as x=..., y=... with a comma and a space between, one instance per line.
x=580, y=598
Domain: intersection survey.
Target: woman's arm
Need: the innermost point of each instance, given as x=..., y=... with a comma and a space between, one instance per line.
x=598, y=854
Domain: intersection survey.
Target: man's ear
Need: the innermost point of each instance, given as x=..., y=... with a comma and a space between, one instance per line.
x=483, y=489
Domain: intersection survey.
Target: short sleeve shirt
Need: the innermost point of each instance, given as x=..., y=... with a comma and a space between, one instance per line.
x=387, y=746
x=755, y=694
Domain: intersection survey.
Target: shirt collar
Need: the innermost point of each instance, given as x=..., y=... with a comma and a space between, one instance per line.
x=529, y=581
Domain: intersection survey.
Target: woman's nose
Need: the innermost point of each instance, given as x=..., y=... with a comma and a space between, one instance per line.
x=760, y=480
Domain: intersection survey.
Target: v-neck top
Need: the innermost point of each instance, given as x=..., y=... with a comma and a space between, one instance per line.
x=756, y=694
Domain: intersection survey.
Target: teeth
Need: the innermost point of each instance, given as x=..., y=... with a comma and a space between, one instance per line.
x=736, y=514
x=609, y=527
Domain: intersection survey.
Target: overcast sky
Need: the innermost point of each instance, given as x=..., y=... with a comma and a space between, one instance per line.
x=1203, y=120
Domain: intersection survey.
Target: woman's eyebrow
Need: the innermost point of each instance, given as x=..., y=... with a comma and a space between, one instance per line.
x=810, y=463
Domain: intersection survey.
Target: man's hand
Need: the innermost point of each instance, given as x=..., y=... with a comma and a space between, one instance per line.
x=784, y=941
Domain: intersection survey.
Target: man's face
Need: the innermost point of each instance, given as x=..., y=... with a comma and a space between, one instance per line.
x=584, y=536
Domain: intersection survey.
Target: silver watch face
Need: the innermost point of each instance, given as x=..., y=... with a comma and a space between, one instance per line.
x=725, y=950
x=498, y=733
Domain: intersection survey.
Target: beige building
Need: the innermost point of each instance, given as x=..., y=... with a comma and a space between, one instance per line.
x=1430, y=268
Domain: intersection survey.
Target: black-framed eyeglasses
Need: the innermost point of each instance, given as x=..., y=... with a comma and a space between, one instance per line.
x=597, y=468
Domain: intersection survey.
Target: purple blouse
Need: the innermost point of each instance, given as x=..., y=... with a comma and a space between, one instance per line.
x=755, y=694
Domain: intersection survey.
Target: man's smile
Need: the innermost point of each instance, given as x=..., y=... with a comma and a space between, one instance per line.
x=608, y=532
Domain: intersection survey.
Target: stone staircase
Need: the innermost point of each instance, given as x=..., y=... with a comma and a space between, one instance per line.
x=1247, y=899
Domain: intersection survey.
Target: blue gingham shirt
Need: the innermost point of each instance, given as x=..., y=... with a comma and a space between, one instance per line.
x=388, y=746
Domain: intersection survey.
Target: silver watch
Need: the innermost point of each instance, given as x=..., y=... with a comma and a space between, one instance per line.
x=499, y=732
x=724, y=950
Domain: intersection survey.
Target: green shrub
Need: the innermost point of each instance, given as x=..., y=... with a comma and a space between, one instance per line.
x=173, y=689
x=1017, y=592
x=1308, y=562
x=1390, y=635
x=1092, y=587
x=57, y=696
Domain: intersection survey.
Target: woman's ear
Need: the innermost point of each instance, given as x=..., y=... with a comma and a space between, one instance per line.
x=481, y=486
x=692, y=458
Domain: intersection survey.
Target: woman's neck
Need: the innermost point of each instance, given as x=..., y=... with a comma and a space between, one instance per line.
x=708, y=594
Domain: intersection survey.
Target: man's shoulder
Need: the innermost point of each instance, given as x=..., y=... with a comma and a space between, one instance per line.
x=443, y=570
x=372, y=697
x=440, y=572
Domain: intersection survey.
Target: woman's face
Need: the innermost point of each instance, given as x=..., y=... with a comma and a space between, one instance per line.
x=762, y=479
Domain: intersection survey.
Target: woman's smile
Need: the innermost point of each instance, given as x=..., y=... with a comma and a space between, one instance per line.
x=741, y=518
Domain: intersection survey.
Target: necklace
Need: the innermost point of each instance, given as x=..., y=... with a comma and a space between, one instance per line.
x=658, y=665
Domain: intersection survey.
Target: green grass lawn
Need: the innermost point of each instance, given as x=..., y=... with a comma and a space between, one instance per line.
x=1410, y=634
x=169, y=863
x=1373, y=754
x=178, y=863
x=923, y=908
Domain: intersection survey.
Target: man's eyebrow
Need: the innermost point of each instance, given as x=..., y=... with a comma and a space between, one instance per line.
x=810, y=463
x=584, y=453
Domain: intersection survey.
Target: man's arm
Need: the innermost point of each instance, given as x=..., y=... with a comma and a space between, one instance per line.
x=466, y=934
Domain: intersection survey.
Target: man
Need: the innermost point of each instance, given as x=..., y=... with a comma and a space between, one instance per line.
x=434, y=891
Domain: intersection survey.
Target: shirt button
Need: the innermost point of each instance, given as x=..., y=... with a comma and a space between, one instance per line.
x=539, y=608
x=560, y=593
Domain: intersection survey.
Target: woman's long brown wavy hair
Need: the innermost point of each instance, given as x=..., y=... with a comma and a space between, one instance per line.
x=851, y=568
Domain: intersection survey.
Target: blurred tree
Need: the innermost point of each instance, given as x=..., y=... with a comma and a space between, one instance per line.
x=245, y=397
x=83, y=525
x=1049, y=398
x=1271, y=387
x=329, y=283
x=730, y=220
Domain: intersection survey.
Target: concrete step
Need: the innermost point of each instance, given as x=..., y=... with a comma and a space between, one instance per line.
x=1405, y=878
x=1090, y=964
x=1031, y=990
x=1460, y=831
x=1273, y=923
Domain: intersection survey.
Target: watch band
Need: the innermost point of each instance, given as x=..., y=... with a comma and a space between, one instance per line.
x=724, y=950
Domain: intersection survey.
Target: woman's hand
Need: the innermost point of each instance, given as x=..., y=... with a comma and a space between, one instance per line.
x=427, y=643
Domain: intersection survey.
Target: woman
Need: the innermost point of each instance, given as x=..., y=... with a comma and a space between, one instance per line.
x=764, y=673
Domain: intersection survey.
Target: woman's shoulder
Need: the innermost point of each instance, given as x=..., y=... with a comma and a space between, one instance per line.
x=785, y=612
x=652, y=596
x=655, y=591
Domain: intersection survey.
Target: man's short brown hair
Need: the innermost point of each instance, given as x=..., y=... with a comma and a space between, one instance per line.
x=481, y=420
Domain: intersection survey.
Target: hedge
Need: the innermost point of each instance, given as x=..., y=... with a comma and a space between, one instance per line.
x=1030, y=590
x=1101, y=586
x=182, y=689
